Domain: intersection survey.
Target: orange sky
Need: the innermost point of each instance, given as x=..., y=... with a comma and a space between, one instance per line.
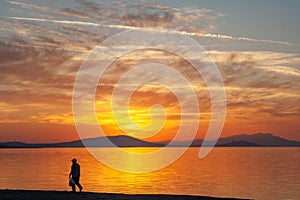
x=41, y=56
x=49, y=118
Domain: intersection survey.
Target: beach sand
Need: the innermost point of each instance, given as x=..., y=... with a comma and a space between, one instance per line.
x=64, y=195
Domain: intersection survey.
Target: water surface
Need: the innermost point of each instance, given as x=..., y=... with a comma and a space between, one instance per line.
x=256, y=173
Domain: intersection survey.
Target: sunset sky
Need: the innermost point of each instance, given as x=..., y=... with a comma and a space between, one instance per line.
x=255, y=45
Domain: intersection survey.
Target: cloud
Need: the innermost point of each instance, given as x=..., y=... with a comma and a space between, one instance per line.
x=148, y=15
x=284, y=70
x=118, y=13
x=257, y=83
x=138, y=25
x=187, y=20
x=42, y=49
x=33, y=83
x=228, y=37
x=285, y=64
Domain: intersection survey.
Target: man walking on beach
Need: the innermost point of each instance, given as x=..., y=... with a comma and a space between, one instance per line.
x=75, y=173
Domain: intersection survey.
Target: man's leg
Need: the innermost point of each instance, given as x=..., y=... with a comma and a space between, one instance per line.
x=76, y=179
x=73, y=188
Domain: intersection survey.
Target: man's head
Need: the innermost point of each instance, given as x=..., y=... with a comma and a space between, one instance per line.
x=74, y=160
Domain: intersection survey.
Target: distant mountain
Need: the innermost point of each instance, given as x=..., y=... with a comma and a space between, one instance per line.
x=120, y=141
x=257, y=139
x=18, y=145
x=260, y=139
x=194, y=143
x=243, y=140
x=240, y=143
x=3, y=146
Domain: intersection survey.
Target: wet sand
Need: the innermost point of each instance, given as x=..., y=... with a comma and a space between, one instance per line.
x=64, y=195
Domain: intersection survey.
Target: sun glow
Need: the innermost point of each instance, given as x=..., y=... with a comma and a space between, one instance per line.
x=151, y=117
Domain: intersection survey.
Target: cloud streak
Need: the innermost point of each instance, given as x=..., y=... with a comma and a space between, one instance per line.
x=134, y=27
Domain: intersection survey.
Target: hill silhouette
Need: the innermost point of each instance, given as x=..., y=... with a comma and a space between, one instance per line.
x=260, y=139
x=240, y=143
x=242, y=140
x=257, y=139
x=111, y=141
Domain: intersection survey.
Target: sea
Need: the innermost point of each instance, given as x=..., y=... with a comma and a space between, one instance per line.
x=238, y=172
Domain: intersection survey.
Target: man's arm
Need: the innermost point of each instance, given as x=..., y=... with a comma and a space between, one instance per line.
x=71, y=172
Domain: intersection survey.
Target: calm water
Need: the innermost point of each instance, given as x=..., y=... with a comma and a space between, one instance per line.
x=257, y=173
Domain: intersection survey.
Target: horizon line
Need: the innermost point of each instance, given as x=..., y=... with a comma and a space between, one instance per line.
x=162, y=141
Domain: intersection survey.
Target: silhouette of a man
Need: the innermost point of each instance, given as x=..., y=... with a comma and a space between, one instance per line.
x=75, y=173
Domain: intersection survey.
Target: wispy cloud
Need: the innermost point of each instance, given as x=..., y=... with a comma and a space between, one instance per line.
x=259, y=83
x=137, y=27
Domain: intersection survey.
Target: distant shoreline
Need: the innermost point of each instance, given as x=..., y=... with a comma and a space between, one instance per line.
x=123, y=141
x=62, y=195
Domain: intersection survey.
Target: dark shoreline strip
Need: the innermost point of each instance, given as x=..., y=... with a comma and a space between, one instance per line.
x=64, y=195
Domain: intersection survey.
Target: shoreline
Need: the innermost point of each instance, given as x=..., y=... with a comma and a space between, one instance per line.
x=10, y=194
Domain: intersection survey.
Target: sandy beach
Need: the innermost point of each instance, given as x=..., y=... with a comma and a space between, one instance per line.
x=63, y=195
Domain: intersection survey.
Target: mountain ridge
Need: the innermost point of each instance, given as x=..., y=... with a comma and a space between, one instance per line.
x=240, y=140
